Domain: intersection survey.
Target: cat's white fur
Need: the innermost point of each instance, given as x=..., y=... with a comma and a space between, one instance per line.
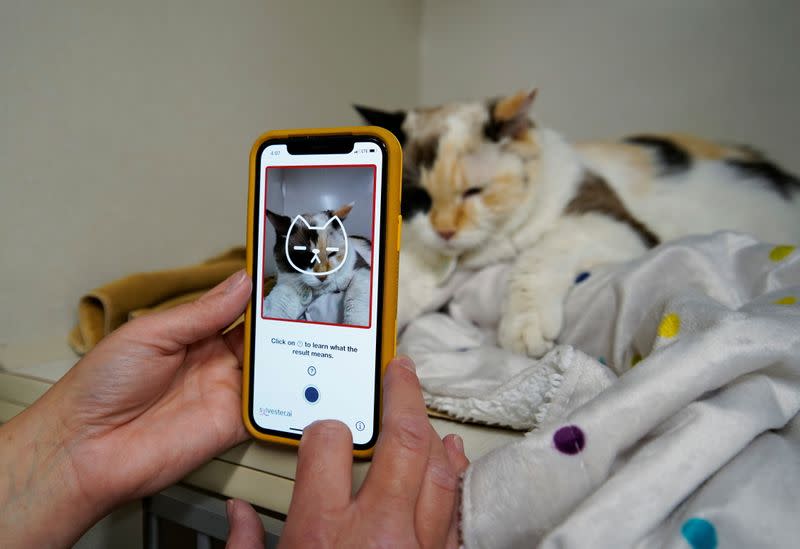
x=548, y=249
x=356, y=299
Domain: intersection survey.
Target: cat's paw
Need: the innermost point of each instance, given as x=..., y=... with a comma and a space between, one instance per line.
x=522, y=334
x=530, y=332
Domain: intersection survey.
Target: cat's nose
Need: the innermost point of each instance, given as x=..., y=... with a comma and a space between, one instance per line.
x=322, y=277
x=446, y=235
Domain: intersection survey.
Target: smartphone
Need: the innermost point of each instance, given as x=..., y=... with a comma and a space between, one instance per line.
x=322, y=249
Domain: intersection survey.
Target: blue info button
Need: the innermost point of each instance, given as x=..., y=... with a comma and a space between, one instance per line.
x=311, y=394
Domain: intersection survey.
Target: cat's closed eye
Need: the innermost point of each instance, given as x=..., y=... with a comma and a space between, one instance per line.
x=472, y=191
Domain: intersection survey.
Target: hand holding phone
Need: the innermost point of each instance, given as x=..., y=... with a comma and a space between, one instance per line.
x=322, y=251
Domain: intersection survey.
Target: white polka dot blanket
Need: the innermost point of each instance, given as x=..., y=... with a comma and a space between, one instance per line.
x=666, y=417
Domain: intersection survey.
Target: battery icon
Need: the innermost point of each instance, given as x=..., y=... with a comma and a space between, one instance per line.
x=372, y=150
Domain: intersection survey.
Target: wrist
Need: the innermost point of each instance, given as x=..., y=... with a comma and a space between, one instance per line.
x=42, y=501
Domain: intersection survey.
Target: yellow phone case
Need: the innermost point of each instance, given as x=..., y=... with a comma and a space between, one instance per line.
x=391, y=245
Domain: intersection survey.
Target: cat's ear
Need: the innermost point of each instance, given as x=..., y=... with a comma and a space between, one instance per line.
x=508, y=116
x=390, y=120
x=344, y=211
x=280, y=222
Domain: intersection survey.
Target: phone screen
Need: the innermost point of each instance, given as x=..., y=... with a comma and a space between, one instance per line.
x=317, y=287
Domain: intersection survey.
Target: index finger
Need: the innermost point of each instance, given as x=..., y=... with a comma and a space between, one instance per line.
x=401, y=455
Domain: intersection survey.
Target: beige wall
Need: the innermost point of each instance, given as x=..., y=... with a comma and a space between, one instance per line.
x=125, y=127
x=721, y=68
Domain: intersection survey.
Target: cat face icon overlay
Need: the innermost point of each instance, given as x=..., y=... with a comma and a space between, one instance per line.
x=331, y=227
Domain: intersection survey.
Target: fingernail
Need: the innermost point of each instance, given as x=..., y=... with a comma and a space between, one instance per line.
x=406, y=363
x=235, y=280
x=229, y=509
x=459, y=443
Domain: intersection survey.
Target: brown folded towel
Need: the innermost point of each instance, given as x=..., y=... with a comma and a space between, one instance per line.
x=103, y=310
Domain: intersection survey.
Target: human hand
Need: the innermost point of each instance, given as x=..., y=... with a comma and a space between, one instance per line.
x=410, y=495
x=153, y=401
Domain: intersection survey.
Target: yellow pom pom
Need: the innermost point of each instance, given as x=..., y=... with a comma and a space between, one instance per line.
x=788, y=300
x=670, y=326
x=779, y=253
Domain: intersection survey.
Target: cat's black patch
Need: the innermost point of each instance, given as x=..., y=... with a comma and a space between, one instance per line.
x=279, y=255
x=364, y=238
x=301, y=236
x=417, y=155
x=492, y=128
x=422, y=154
x=279, y=222
x=415, y=200
x=780, y=181
x=748, y=151
x=596, y=195
x=672, y=158
x=390, y=120
x=495, y=129
x=361, y=263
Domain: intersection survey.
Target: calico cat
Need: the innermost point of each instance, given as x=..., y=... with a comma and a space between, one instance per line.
x=483, y=184
x=315, y=257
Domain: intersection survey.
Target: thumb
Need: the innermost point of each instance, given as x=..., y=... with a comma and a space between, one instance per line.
x=183, y=325
x=246, y=530
x=454, y=446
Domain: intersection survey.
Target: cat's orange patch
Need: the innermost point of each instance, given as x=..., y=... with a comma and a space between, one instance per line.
x=322, y=243
x=441, y=219
x=449, y=218
x=523, y=140
x=342, y=212
x=697, y=147
x=514, y=105
x=504, y=192
x=508, y=179
x=465, y=217
x=445, y=181
x=450, y=212
x=638, y=158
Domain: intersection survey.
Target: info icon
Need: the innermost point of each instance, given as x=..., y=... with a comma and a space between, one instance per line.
x=360, y=426
x=312, y=371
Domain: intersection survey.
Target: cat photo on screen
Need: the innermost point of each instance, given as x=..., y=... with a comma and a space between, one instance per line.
x=323, y=272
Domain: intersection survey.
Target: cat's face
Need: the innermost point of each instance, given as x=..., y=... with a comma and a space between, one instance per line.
x=466, y=167
x=312, y=244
